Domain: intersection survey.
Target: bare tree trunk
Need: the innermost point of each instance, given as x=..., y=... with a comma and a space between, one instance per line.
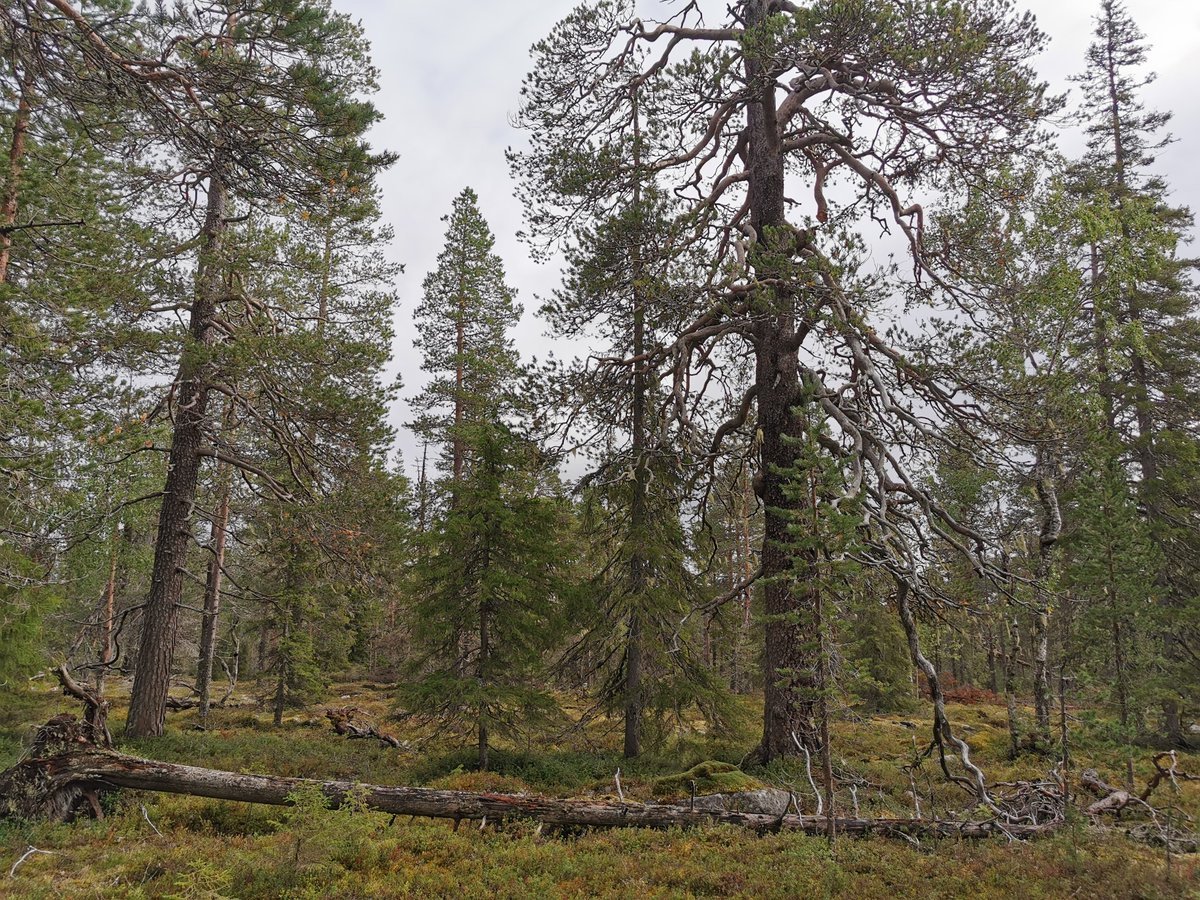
x=110, y=603
x=147, y=707
x=1046, y=485
x=788, y=663
x=212, y=595
x=993, y=675
x=9, y=204
x=1010, y=684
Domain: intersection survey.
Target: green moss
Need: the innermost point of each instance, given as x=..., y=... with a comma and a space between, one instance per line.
x=710, y=776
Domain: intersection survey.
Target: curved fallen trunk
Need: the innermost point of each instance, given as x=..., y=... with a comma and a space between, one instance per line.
x=58, y=784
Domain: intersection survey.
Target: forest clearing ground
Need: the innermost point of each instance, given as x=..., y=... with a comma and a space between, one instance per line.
x=209, y=848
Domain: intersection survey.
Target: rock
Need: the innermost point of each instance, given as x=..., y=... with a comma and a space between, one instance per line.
x=768, y=801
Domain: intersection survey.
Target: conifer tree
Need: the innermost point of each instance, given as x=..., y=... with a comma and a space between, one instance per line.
x=622, y=291
x=490, y=596
x=462, y=322
x=771, y=91
x=1146, y=341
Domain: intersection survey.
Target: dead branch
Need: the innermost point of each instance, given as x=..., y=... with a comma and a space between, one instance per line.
x=349, y=721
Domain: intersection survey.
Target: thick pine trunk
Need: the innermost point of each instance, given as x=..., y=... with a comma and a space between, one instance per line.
x=16, y=159
x=789, y=663
x=147, y=707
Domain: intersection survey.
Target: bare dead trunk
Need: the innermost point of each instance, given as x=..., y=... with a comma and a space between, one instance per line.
x=1046, y=485
x=212, y=596
x=1010, y=685
x=110, y=602
x=52, y=786
x=943, y=732
x=147, y=707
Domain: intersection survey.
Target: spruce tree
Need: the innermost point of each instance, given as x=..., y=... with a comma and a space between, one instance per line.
x=462, y=322
x=489, y=598
x=1146, y=342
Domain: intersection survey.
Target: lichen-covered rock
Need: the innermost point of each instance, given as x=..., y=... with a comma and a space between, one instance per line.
x=768, y=801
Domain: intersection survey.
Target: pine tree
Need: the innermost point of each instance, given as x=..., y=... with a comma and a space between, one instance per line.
x=463, y=319
x=774, y=279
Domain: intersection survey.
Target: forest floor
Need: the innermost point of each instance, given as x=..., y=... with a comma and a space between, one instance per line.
x=157, y=845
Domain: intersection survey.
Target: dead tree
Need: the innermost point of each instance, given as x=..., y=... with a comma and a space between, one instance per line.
x=64, y=771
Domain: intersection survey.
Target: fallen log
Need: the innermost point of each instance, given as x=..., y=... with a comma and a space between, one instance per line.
x=53, y=786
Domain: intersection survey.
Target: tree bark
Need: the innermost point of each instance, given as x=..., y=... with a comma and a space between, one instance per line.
x=212, y=595
x=16, y=157
x=1013, y=629
x=147, y=707
x=107, y=650
x=788, y=662
x=641, y=485
x=1047, y=491
x=36, y=788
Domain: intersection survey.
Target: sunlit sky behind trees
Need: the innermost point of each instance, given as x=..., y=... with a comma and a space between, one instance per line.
x=450, y=84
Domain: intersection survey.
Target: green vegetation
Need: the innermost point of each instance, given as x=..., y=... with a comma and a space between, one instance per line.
x=902, y=541
x=212, y=848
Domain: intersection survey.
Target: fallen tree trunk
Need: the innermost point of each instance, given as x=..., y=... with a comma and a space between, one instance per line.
x=54, y=786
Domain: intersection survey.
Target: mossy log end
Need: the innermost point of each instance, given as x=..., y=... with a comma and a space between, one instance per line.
x=54, y=785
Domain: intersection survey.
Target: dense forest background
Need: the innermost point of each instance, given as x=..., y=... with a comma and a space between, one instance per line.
x=887, y=405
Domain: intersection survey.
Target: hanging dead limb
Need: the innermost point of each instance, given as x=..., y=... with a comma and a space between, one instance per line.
x=50, y=783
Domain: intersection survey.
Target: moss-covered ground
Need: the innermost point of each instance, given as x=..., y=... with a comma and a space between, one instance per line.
x=208, y=848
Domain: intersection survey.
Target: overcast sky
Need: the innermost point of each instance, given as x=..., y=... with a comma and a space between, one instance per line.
x=449, y=82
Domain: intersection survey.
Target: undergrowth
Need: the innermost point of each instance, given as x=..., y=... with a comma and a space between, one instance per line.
x=212, y=849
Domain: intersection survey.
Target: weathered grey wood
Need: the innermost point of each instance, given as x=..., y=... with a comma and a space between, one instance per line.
x=73, y=773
